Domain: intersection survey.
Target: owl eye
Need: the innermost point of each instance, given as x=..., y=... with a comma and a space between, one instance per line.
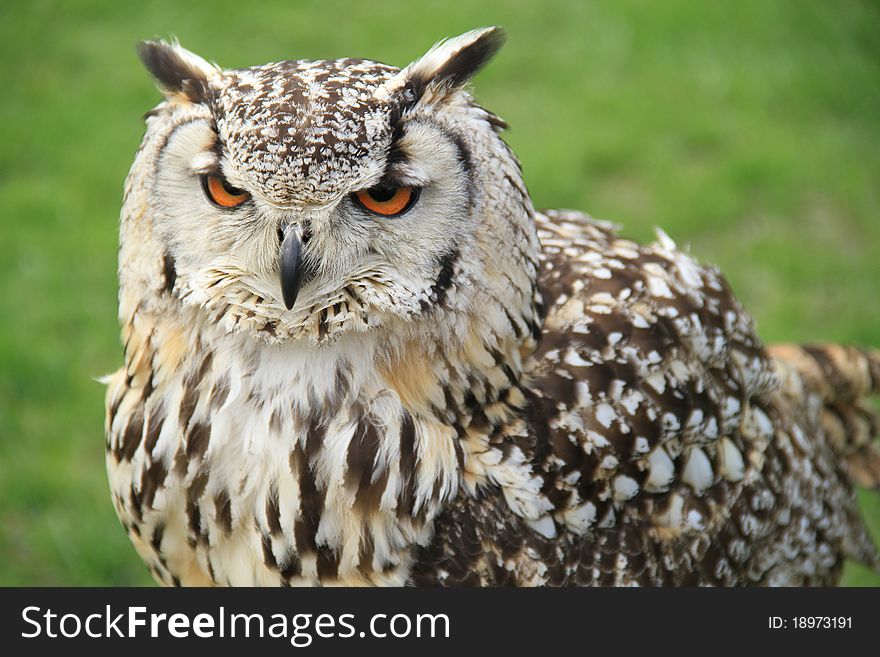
x=387, y=201
x=221, y=193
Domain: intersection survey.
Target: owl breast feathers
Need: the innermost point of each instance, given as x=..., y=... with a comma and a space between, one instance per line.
x=355, y=354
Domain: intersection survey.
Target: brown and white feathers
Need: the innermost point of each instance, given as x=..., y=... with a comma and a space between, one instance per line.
x=465, y=391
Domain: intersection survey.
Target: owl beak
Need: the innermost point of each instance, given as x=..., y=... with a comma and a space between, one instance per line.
x=290, y=264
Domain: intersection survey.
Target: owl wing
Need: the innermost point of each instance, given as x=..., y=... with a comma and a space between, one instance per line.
x=656, y=395
x=657, y=441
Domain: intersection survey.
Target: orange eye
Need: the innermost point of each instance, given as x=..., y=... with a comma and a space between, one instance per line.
x=221, y=193
x=387, y=201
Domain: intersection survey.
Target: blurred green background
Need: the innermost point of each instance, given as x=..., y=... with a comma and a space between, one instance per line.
x=750, y=131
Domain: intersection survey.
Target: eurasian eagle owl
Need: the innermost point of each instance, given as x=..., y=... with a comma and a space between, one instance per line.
x=355, y=353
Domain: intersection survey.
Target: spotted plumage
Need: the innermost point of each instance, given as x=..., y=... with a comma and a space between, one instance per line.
x=459, y=391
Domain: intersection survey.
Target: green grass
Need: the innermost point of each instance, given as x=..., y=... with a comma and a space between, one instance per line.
x=749, y=133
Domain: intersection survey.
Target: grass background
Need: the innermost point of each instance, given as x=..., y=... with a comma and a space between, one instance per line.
x=749, y=131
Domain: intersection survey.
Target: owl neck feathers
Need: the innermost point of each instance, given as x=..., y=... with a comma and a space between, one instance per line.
x=347, y=451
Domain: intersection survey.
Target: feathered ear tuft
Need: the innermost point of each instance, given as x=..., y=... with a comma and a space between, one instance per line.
x=181, y=75
x=453, y=62
x=445, y=67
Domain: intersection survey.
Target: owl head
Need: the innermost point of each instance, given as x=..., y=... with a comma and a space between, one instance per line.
x=310, y=199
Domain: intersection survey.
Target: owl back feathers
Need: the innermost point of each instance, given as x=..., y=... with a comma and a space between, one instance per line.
x=668, y=451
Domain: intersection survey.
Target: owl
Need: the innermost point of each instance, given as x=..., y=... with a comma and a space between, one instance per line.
x=355, y=354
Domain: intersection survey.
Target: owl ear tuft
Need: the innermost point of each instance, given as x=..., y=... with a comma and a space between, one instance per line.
x=445, y=67
x=181, y=75
x=453, y=62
